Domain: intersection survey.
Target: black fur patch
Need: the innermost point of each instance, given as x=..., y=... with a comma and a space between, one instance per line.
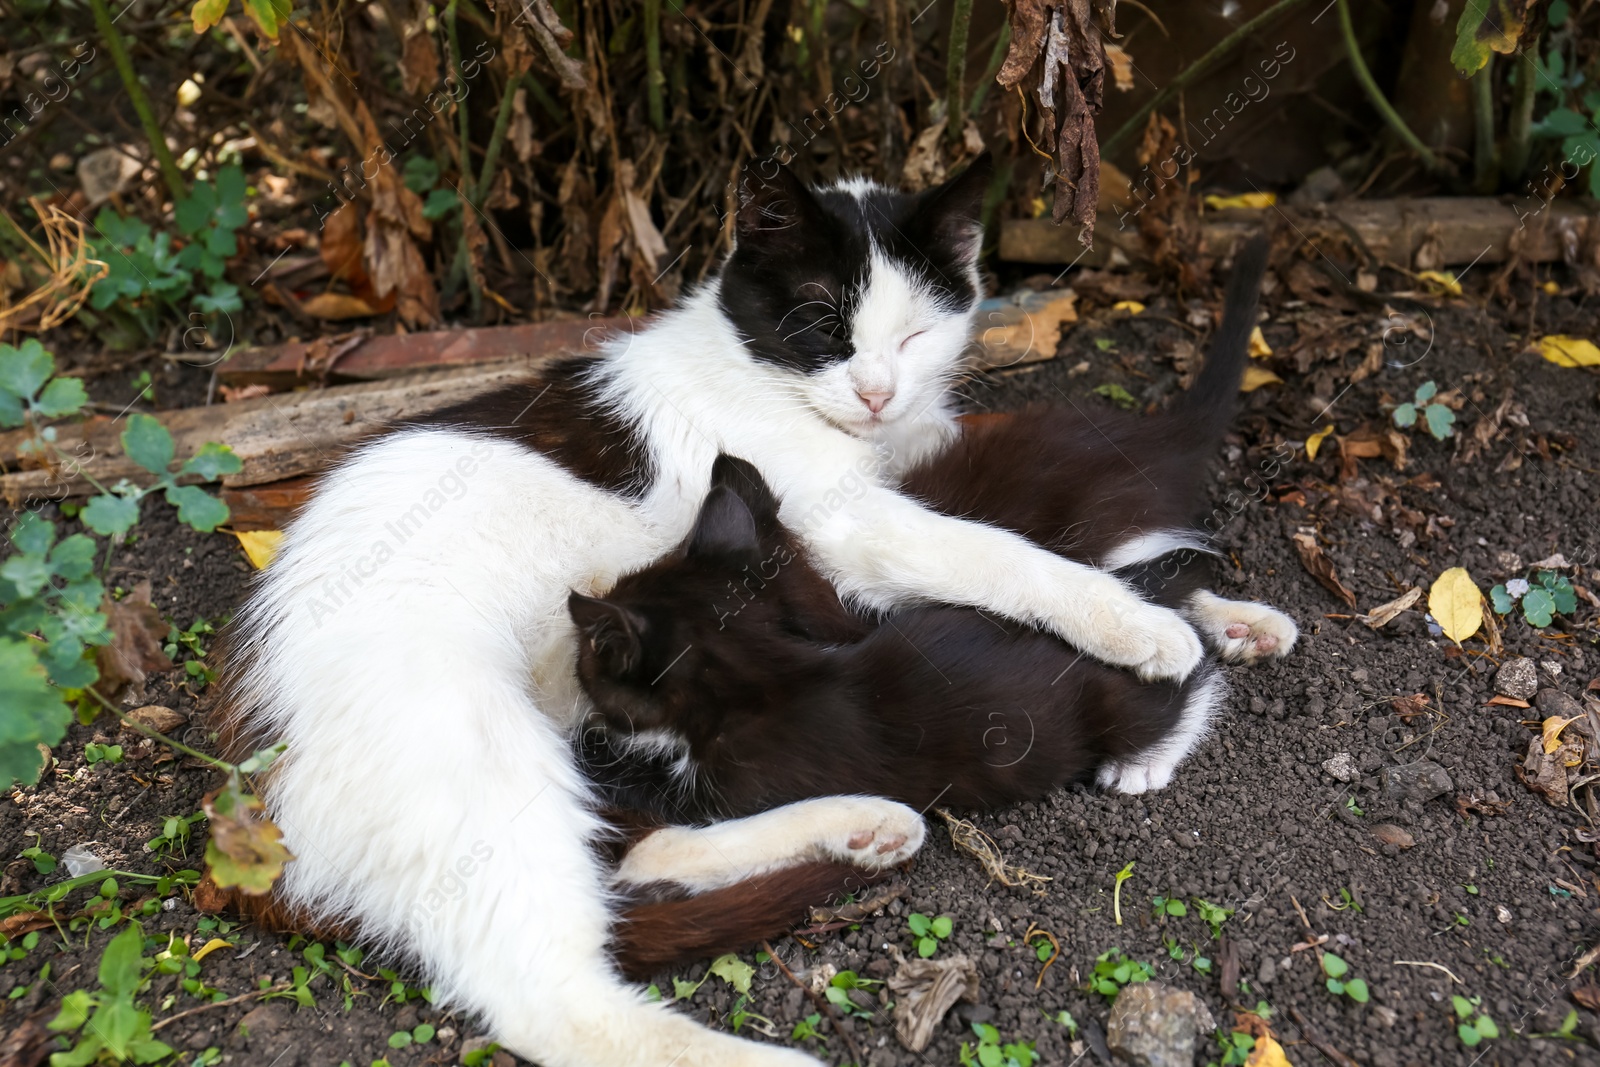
x=559, y=413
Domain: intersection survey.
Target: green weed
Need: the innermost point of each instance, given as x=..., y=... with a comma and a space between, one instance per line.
x=1473, y=1026
x=989, y=1052
x=1338, y=984
x=929, y=932
x=1439, y=419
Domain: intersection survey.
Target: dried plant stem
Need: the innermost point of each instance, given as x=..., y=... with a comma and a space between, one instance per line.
x=652, y=65
x=821, y=1002
x=956, y=68
x=141, y=103
x=997, y=56
x=462, y=264
x=1363, y=75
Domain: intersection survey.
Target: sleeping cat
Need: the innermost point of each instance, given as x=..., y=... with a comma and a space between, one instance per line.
x=416, y=609
x=740, y=669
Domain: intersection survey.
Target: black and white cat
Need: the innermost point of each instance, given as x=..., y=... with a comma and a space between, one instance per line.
x=758, y=687
x=411, y=645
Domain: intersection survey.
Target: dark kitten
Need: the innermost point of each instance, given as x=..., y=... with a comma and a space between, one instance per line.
x=734, y=663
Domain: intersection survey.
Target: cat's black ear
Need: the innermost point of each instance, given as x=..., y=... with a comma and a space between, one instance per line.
x=774, y=210
x=951, y=214
x=614, y=633
x=725, y=526
x=742, y=478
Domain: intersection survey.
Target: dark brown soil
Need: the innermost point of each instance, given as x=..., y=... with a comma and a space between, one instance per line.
x=1502, y=902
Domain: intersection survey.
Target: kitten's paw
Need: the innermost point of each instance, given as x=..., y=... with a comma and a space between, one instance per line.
x=869, y=832
x=1134, y=776
x=1243, y=631
x=1156, y=643
x=1175, y=649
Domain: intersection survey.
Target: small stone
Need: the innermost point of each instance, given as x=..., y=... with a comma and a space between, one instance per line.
x=1555, y=702
x=1267, y=973
x=1509, y=563
x=1503, y=914
x=1385, y=1015
x=161, y=720
x=1550, y=667
x=1319, y=187
x=1155, y=1025
x=1421, y=781
x=1517, y=678
x=1342, y=766
x=1390, y=834
x=1359, y=675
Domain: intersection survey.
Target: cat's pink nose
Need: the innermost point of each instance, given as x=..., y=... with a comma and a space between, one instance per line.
x=876, y=402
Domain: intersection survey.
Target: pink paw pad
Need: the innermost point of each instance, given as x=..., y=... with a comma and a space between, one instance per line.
x=1266, y=643
x=1239, y=629
x=859, y=839
x=889, y=844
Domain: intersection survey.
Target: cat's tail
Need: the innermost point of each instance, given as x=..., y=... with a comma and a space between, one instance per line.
x=1206, y=410
x=657, y=934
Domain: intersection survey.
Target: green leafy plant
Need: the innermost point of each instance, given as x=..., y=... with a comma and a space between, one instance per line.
x=96, y=753
x=929, y=932
x=1117, y=395
x=807, y=1027
x=1113, y=970
x=188, y=648
x=1439, y=419
x=421, y=176
x=1473, y=1026
x=838, y=992
x=1580, y=144
x=1163, y=906
x=50, y=596
x=1236, y=1048
x=1214, y=915
x=110, y=1025
x=1339, y=984
x=148, y=274
x=43, y=862
x=1063, y=1018
x=990, y=1052
x=175, y=833
x=1549, y=594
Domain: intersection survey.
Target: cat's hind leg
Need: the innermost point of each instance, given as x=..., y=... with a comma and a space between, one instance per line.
x=866, y=832
x=1241, y=631
x=1153, y=768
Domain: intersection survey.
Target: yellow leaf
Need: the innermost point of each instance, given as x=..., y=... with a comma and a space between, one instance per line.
x=1551, y=289
x=259, y=545
x=1569, y=351
x=210, y=947
x=1314, y=442
x=1255, y=377
x=1267, y=1053
x=246, y=849
x=1440, y=281
x=207, y=13
x=1251, y=200
x=1132, y=307
x=1259, y=349
x=1456, y=604
x=1552, y=731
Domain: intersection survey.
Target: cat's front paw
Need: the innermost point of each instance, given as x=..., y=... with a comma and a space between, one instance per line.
x=1161, y=644
x=869, y=832
x=1243, y=631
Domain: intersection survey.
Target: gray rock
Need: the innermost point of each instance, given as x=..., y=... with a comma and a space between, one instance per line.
x=1342, y=766
x=1319, y=187
x=1517, y=678
x=1421, y=781
x=1267, y=973
x=1156, y=1025
x=1555, y=702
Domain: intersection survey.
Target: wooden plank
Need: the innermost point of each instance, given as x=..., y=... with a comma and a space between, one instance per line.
x=277, y=437
x=358, y=357
x=1446, y=231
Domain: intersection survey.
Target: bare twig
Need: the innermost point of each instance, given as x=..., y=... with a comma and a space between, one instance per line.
x=254, y=994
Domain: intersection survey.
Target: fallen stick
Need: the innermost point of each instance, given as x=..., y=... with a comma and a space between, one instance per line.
x=1455, y=230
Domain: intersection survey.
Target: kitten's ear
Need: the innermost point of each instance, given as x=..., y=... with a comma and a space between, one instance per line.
x=742, y=478
x=774, y=209
x=952, y=214
x=725, y=526
x=612, y=631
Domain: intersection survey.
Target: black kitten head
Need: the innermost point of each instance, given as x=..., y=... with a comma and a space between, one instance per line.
x=864, y=290
x=714, y=626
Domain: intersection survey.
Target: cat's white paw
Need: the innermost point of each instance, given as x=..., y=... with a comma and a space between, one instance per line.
x=1136, y=776
x=868, y=832
x=1156, y=643
x=1243, y=631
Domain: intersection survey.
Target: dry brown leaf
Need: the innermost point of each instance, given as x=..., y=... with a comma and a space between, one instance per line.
x=419, y=60
x=1546, y=772
x=336, y=307
x=1508, y=702
x=1320, y=567
x=1121, y=67
x=1385, y=613
x=1550, y=731
x=1587, y=996
x=246, y=850
x=925, y=990
x=135, y=649
x=1390, y=834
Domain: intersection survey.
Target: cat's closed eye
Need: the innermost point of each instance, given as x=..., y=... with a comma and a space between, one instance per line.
x=913, y=337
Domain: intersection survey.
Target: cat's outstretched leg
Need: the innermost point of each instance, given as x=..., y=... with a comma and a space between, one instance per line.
x=866, y=832
x=1153, y=768
x=1242, y=631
